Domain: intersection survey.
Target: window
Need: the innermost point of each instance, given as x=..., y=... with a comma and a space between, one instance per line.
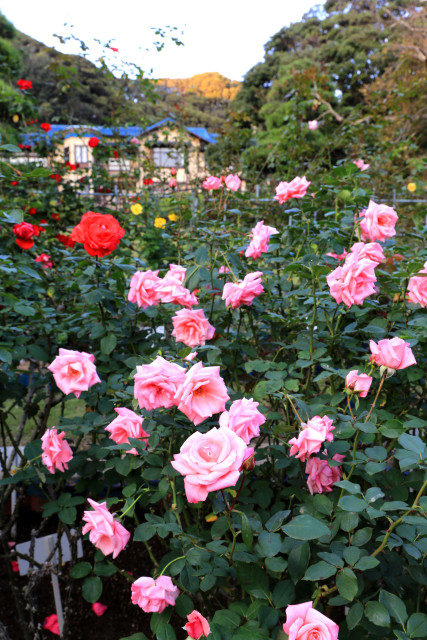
x=167, y=157
x=80, y=154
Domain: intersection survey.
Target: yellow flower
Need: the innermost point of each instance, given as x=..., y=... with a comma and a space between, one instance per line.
x=136, y=208
x=160, y=223
x=411, y=186
x=173, y=217
x=15, y=118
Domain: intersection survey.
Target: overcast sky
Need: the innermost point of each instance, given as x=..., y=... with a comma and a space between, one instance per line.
x=225, y=36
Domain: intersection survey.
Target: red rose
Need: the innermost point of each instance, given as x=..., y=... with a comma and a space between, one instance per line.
x=114, y=49
x=24, y=85
x=56, y=216
x=32, y=211
x=45, y=261
x=24, y=232
x=100, y=233
x=148, y=181
x=24, y=147
x=93, y=142
x=66, y=240
x=56, y=176
x=14, y=183
x=45, y=126
x=115, y=153
x=72, y=167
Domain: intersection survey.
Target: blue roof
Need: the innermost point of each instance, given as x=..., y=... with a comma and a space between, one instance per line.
x=88, y=131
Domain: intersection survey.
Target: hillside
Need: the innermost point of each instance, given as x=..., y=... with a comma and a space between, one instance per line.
x=71, y=89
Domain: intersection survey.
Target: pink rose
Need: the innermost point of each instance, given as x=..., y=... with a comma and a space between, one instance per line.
x=359, y=383
x=127, y=425
x=211, y=183
x=311, y=437
x=305, y=623
x=176, y=271
x=233, y=182
x=260, y=235
x=371, y=250
x=107, y=534
x=202, y=393
x=354, y=281
x=51, y=624
x=223, y=269
x=170, y=288
x=417, y=288
x=243, y=418
x=172, y=183
x=98, y=608
x=191, y=356
x=143, y=288
x=74, y=371
x=297, y=188
x=393, y=354
x=191, y=327
x=134, y=140
x=338, y=256
x=361, y=165
x=378, y=223
x=56, y=451
x=312, y=125
x=157, y=383
x=321, y=476
x=244, y=291
x=197, y=626
x=209, y=462
x=153, y=596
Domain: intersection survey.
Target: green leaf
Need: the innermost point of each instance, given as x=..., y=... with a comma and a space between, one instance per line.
x=253, y=579
x=417, y=625
x=297, y=562
x=276, y=520
x=105, y=570
x=92, y=589
x=347, y=584
x=40, y=172
x=350, y=487
x=165, y=631
x=283, y=594
x=136, y=636
x=81, y=570
x=351, y=555
x=24, y=310
x=320, y=571
x=144, y=532
x=354, y=615
x=184, y=605
x=68, y=515
x=331, y=558
x=5, y=356
x=377, y=614
x=394, y=605
x=247, y=535
x=277, y=564
x=201, y=256
x=305, y=528
x=412, y=443
x=351, y=503
x=15, y=216
x=362, y=536
x=207, y=582
x=226, y=618
x=108, y=343
x=367, y=562
x=10, y=147
x=270, y=543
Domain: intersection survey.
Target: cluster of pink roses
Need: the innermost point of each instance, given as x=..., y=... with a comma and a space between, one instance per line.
x=212, y=183
x=321, y=475
x=260, y=235
x=147, y=289
x=191, y=328
x=296, y=188
x=354, y=281
x=417, y=287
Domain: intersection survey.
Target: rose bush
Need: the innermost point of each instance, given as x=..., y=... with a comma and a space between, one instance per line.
x=277, y=482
